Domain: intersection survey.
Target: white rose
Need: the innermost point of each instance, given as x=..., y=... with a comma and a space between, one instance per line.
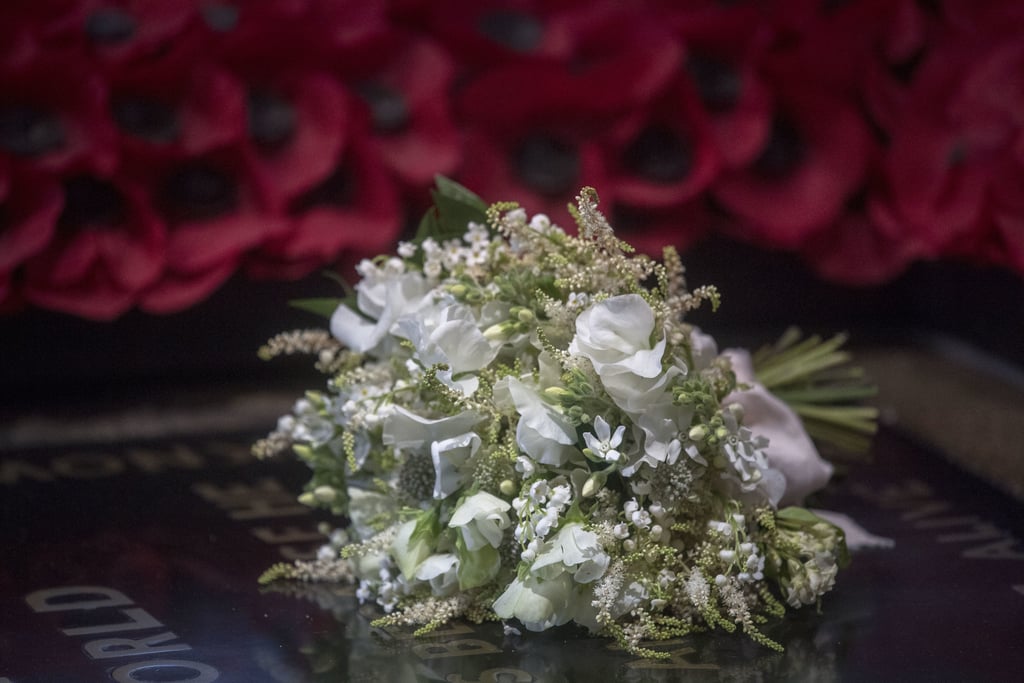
x=481, y=519
x=790, y=450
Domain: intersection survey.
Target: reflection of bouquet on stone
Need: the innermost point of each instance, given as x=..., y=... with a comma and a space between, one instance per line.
x=520, y=425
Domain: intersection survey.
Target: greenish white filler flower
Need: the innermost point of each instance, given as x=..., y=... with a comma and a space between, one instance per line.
x=517, y=428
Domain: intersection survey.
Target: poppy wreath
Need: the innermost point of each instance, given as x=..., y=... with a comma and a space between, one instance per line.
x=150, y=151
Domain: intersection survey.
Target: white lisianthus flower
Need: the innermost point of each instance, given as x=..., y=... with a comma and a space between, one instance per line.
x=449, y=457
x=441, y=571
x=538, y=604
x=383, y=300
x=481, y=519
x=575, y=550
x=790, y=450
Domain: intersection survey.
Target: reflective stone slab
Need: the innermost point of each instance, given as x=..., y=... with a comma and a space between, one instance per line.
x=138, y=562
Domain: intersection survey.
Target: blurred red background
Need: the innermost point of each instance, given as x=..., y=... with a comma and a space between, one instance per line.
x=151, y=150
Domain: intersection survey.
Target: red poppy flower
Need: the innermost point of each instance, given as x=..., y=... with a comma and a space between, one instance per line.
x=485, y=34
x=53, y=118
x=854, y=251
x=117, y=32
x=404, y=82
x=215, y=213
x=664, y=155
x=724, y=47
x=813, y=161
x=29, y=207
x=109, y=245
x=297, y=115
x=176, y=106
x=353, y=214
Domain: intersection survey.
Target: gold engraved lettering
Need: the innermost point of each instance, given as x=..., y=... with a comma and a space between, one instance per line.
x=924, y=510
x=86, y=466
x=1000, y=550
x=979, y=532
x=267, y=499
x=13, y=471
x=290, y=534
x=231, y=452
x=453, y=629
x=676, y=660
x=160, y=668
x=466, y=647
x=290, y=552
x=130, y=647
x=154, y=461
x=940, y=522
x=494, y=676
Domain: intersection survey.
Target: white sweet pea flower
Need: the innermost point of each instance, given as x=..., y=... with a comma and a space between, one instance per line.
x=481, y=519
x=615, y=335
x=537, y=603
x=408, y=431
x=790, y=450
x=450, y=457
x=448, y=333
x=575, y=550
x=408, y=556
x=543, y=433
x=441, y=572
x=383, y=301
x=603, y=445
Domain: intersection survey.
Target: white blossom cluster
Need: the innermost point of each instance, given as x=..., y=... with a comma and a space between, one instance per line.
x=528, y=428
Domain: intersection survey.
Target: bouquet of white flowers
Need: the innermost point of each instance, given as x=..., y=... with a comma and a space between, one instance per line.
x=520, y=425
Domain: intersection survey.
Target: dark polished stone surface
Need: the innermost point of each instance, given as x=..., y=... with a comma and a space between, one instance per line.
x=169, y=537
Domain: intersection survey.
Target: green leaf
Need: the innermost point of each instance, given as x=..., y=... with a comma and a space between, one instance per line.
x=323, y=307
x=454, y=208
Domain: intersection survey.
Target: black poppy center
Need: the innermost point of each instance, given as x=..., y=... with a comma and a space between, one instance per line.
x=388, y=107
x=718, y=83
x=29, y=131
x=515, y=30
x=783, y=152
x=109, y=26
x=199, y=192
x=220, y=17
x=272, y=119
x=659, y=154
x=146, y=118
x=90, y=203
x=338, y=190
x=547, y=164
